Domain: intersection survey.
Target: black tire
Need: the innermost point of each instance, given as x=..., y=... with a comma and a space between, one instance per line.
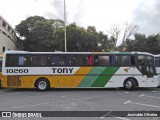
x=42, y=84
x=129, y=84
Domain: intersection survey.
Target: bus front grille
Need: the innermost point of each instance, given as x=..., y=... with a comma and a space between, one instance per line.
x=13, y=81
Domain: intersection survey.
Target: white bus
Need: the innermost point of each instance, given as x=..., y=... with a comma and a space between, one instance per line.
x=157, y=64
x=43, y=70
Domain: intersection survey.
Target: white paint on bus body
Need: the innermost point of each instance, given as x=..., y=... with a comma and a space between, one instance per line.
x=158, y=72
x=122, y=74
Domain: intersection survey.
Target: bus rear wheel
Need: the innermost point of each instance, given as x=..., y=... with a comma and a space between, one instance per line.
x=42, y=84
x=130, y=84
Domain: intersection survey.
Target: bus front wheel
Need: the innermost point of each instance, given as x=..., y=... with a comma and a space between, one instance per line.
x=42, y=84
x=130, y=84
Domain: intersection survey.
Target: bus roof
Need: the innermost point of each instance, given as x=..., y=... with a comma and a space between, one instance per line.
x=115, y=52
x=158, y=55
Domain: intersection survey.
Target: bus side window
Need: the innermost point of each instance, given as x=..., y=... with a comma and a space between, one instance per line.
x=49, y=60
x=27, y=60
x=43, y=60
x=12, y=60
x=33, y=60
x=56, y=60
x=90, y=60
x=20, y=60
x=23, y=60
x=157, y=62
x=112, y=62
x=77, y=60
x=117, y=60
x=63, y=60
x=68, y=60
x=103, y=60
x=127, y=60
x=86, y=60
x=141, y=64
x=95, y=60
x=132, y=60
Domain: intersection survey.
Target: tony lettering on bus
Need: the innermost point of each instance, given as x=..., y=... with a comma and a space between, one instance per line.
x=62, y=70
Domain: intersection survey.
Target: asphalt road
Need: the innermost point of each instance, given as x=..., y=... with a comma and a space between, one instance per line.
x=144, y=99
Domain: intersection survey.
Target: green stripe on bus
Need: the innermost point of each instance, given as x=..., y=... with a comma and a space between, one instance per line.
x=106, y=75
x=91, y=77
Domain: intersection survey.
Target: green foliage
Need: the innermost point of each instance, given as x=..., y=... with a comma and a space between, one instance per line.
x=40, y=34
x=142, y=43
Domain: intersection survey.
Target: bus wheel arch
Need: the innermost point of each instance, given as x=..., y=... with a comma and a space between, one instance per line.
x=42, y=84
x=130, y=83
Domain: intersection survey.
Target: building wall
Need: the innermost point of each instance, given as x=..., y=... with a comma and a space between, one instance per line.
x=7, y=36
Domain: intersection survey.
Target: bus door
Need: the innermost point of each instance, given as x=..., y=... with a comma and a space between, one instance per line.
x=150, y=66
x=146, y=65
x=13, y=61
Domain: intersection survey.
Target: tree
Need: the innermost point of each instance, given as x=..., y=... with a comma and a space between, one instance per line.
x=103, y=42
x=75, y=38
x=142, y=43
x=38, y=33
x=129, y=29
x=114, y=31
x=153, y=44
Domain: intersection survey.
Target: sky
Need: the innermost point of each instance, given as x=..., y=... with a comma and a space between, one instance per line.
x=99, y=13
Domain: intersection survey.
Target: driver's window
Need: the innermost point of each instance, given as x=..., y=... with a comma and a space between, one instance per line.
x=141, y=63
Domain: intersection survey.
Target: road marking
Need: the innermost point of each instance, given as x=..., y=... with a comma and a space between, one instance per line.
x=106, y=114
x=119, y=117
x=143, y=95
x=154, y=91
x=126, y=92
x=129, y=102
x=122, y=118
